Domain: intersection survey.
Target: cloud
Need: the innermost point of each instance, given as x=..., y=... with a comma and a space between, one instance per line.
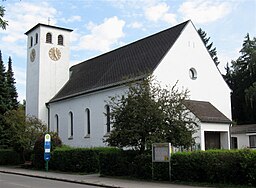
x=72, y=19
x=103, y=36
x=204, y=11
x=135, y=25
x=160, y=12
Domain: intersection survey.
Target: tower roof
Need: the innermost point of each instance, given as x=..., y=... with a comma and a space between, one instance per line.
x=45, y=25
x=128, y=63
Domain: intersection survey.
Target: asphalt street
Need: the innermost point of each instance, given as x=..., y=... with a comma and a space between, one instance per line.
x=17, y=181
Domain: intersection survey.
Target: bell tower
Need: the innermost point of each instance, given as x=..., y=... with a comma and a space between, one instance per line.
x=48, y=51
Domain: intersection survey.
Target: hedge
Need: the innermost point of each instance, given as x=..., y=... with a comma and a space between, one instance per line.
x=84, y=160
x=9, y=157
x=216, y=166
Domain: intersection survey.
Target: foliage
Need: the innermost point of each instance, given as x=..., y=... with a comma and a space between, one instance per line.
x=11, y=89
x=146, y=114
x=84, y=160
x=215, y=166
x=9, y=157
x=3, y=23
x=3, y=88
x=212, y=51
x=241, y=78
x=38, y=151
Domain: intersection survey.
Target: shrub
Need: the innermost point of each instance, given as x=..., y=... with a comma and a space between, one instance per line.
x=9, y=157
x=38, y=152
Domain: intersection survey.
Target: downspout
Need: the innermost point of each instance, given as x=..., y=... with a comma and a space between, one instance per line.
x=48, y=108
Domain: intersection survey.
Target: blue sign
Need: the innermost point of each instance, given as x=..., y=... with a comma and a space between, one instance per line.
x=47, y=147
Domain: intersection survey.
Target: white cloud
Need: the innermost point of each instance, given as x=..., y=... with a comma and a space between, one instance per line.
x=135, y=25
x=72, y=19
x=160, y=12
x=204, y=11
x=102, y=36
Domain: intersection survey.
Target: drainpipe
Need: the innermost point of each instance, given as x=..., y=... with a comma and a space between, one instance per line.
x=48, y=108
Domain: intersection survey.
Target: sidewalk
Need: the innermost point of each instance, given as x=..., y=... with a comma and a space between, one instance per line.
x=92, y=179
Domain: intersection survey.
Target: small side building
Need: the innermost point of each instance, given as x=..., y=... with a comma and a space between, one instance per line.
x=243, y=136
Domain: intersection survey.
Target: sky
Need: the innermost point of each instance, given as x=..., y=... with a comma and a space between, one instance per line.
x=100, y=26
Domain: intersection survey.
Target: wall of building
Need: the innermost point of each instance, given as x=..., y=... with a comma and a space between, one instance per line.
x=189, y=52
x=96, y=103
x=242, y=140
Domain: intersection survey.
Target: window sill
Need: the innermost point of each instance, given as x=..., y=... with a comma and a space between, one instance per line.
x=87, y=136
x=107, y=134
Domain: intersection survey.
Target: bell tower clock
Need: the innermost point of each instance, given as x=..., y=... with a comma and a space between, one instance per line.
x=47, y=66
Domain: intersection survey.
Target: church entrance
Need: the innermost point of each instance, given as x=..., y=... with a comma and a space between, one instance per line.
x=212, y=140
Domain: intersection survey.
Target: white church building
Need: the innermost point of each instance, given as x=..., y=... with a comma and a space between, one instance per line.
x=72, y=101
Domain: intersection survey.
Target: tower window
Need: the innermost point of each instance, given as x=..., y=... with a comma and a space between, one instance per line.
x=31, y=41
x=193, y=73
x=60, y=40
x=36, y=38
x=71, y=126
x=48, y=38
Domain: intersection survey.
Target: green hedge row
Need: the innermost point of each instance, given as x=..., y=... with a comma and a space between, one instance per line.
x=216, y=166
x=84, y=160
x=9, y=157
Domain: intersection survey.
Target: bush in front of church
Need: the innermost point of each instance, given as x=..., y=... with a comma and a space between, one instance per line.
x=38, y=161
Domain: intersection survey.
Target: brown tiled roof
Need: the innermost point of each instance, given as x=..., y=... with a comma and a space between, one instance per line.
x=206, y=112
x=130, y=62
x=251, y=128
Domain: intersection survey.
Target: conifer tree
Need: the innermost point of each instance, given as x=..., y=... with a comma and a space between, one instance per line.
x=212, y=51
x=11, y=89
x=3, y=88
x=3, y=23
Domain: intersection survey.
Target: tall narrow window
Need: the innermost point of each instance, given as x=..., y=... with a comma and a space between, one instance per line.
x=36, y=38
x=71, y=126
x=31, y=41
x=60, y=40
x=57, y=124
x=88, y=123
x=48, y=38
x=108, y=118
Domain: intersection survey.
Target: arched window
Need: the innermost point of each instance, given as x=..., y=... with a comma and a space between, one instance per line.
x=31, y=41
x=108, y=118
x=48, y=38
x=87, y=123
x=71, y=125
x=57, y=124
x=60, y=40
x=36, y=38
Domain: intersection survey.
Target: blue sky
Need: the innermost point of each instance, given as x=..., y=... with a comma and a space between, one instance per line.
x=102, y=25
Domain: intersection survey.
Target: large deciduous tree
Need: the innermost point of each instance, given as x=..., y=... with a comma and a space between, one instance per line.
x=212, y=51
x=146, y=114
x=241, y=77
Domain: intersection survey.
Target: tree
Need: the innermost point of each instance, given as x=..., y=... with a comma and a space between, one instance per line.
x=241, y=77
x=3, y=87
x=212, y=51
x=3, y=23
x=146, y=114
x=11, y=89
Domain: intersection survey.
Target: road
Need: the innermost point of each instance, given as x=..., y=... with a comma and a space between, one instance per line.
x=17, y=181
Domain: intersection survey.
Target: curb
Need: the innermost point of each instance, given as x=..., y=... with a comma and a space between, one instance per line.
x=61, y=179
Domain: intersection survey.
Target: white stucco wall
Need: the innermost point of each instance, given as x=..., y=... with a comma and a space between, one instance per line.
x=96, y=103
x=190, y=52
x=45, y=77
x=242, y=140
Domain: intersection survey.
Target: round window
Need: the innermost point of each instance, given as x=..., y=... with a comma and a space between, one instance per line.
x=192, y=73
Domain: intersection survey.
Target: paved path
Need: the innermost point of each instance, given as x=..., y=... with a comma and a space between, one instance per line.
x=92, y=179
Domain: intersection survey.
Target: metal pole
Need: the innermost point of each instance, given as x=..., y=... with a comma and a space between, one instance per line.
x=46, y=166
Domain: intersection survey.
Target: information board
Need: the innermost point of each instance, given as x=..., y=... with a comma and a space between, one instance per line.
x=161, y=152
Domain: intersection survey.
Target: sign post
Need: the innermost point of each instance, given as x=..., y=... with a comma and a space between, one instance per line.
x=161, y=152
x=47, y=150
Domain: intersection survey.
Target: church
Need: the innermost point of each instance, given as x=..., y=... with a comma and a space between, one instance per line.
x=72, y=100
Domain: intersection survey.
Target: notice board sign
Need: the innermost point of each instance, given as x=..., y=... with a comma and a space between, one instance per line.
x=161, y=152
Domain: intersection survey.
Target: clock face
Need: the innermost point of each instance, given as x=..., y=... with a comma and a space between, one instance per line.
x=54, y=54
x=32, y=55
